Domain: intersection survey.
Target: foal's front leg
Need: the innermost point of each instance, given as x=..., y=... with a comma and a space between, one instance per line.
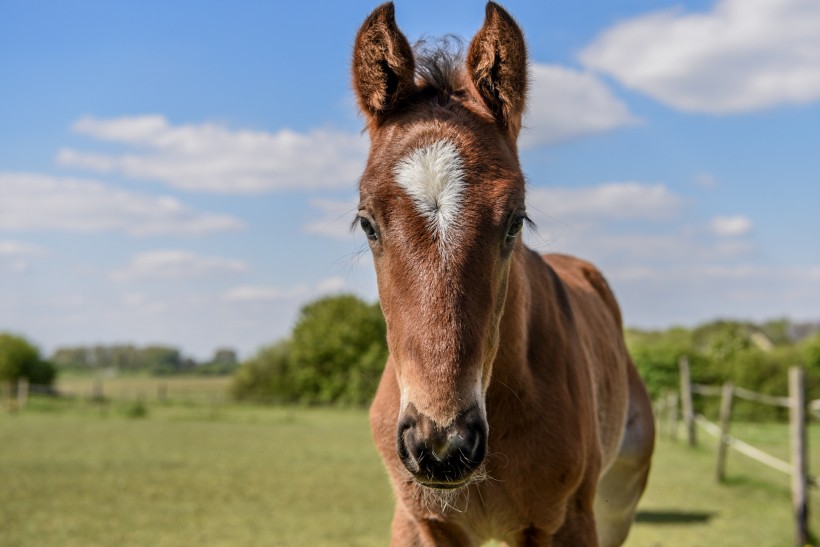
x=409, y=531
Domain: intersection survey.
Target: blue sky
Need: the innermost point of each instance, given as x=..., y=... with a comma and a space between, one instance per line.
x=185, y=172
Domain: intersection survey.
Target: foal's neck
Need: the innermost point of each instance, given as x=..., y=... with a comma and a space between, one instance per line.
x=510, y=369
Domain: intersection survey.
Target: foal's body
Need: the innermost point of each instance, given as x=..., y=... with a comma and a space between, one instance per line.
x=509, y=407
x=565, y=405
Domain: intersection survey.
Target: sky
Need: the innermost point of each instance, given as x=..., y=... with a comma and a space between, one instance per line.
x=185, y=173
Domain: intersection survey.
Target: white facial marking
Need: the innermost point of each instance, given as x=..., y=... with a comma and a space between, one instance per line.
x=433, y=177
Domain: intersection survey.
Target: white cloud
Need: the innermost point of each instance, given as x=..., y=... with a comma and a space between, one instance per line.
x=706, y=180
x=731, y=226
x=565, y=104
x=608, y=201
x=212, y=158
x=332, y=285
x=13, y=249
x=262, y=293
x=39, y=202
x=176, y=265
x=742, y=55
x=270, y=293
x=15, y=255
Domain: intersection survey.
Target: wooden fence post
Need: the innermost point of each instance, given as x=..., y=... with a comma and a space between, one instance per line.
x=725, y=419
x=797, y=418
x=22, y=392
x=686, y=399
x=6, y=395
x=672, y=416
x=97, y=391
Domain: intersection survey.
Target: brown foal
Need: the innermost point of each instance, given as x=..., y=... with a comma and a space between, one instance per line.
x=509, y=407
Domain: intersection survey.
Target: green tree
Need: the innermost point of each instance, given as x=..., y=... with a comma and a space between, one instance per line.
x=160, y=360
x=224, y=361
x=723, y=341
x=656, y=355
x=19, y=358
x=338, y=350
x=810, y=348
x=267, y=376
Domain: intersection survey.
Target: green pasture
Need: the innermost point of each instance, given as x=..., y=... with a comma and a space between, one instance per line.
x=81, y=473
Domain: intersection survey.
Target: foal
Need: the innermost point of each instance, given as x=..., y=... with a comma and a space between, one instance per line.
x=509, y=407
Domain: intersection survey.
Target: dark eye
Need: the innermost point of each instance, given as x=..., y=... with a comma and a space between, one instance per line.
x=368, y=229
x=515, y=227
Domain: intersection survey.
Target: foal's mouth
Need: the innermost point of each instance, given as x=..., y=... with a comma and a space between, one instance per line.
x=428, y=483
x=445, y=485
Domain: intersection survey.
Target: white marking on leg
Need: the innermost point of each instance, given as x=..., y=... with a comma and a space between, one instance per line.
x=433, y=177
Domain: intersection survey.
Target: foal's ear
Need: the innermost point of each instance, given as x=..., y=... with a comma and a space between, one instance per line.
x=497, y=65
x=383, y=66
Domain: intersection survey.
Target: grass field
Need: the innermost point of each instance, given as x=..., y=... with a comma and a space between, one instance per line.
x=84, y=474
x=180, y=389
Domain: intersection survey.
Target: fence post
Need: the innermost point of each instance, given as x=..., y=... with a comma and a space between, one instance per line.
x=797, y=418
x=686, y=398
x=22, y=392
x=672, y=425
x=97, y=390
x=6, y=395
x=725, y=419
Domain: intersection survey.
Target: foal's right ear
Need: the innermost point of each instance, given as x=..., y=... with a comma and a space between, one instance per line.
x=383, y=66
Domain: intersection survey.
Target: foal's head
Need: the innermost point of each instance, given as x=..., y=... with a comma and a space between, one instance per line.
x=442, y=205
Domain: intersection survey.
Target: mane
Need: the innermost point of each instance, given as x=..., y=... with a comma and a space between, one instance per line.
x=440, y=63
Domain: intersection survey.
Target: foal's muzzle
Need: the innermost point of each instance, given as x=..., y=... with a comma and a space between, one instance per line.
x=442, y=457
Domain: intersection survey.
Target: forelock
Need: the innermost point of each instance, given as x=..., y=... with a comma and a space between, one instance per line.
x=440, y=62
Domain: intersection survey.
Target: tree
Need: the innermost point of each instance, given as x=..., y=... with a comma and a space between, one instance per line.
x=160, y=360
x=19, y=358
x=338, y=350
x=224, y=361
x=656, y=355
x=267, y=376
x=811, y=351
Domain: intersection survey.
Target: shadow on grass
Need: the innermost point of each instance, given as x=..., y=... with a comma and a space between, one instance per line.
x=674, y=517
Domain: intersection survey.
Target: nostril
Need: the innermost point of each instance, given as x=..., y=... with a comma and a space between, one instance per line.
x=407, y=445
x=442, y=457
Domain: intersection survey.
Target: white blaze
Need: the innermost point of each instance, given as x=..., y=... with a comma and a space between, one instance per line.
x=433, y=177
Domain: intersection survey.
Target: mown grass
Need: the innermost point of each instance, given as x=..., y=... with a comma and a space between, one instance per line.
x=684, y=504
x=181, y=477
x=76, y=473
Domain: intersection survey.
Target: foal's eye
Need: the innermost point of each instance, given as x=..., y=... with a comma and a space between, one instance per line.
x=515, y=227
x=368, y=229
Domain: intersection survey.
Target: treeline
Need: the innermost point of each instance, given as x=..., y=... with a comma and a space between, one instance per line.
x=337, y=351
x=753, y=356
x=335, y=355
x=153, y=360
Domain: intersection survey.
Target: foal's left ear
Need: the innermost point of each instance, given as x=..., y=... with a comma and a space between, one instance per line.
x=383, y=65
x=497, y=65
